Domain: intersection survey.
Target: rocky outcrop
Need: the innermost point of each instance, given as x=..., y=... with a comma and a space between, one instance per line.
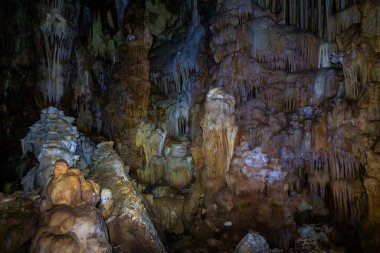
x=68, y=228
x=150, y=140
x=130, y=226
x=70, y=221
x=69, y=187
x=287, y=135
x=179, y=165
x=53, y=137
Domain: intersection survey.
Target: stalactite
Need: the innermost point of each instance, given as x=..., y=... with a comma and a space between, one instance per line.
x=318, y=181
x=85, y=119
x=324, y=55
x=349, y=200
x=175, y=73
x=324, y=18
x=342, y=21
x=338, y=164
x=56, y=34
x=374, y=101
x=272, y=5
x=357, y=69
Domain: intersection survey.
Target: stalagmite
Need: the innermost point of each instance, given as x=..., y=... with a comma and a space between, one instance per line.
x=151, y=140
x=53, y=137
x=226, y=115
x=56, y=35
x=219, y=134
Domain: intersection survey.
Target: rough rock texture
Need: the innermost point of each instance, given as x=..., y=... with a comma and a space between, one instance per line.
x=219, y=133
x=324, y=234
x=66, y=228
x=69, y=187
x=150, y=140
x=53, y=137
x=169, y=211
x=252, y=243
x=179, y=165
x=130, y=93
x=19, y=218
x=70, y=222
x=249, y=114
x=129, y=225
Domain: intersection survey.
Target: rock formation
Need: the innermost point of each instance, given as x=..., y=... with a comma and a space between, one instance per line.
x=253, y=243
x=129, y=224
x=219, y=133
x=226, y=115
x=54, y=137
x=19, y=218
x=70, y=222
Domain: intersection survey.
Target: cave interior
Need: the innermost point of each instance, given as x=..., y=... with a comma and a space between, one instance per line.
x=193, y=126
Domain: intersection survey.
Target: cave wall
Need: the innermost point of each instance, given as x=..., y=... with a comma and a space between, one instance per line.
x=238, y=111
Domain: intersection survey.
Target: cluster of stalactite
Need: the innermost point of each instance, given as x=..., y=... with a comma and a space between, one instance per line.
x=325, y=18
x=231, y=39
x=56, y=33
x=175, y=72
x=357, y=69
x=235, y=115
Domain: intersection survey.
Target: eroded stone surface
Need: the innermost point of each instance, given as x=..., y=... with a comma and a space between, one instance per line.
x=130, y=225
x=65, y=228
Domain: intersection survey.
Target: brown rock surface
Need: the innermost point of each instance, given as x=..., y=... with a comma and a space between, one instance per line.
x=79, y=228
x=69, y=187
x=130, y=225
x=19, y=219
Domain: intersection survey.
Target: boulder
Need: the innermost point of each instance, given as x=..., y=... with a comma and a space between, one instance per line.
x=73, y=229
x=252, y=243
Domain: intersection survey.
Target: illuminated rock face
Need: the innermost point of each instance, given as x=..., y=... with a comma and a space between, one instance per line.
x=70, y=222
x=53, y=137
x=129, y=223
x=258, y=114
x=67, y=228
x=219, y=134
x=69, y=187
